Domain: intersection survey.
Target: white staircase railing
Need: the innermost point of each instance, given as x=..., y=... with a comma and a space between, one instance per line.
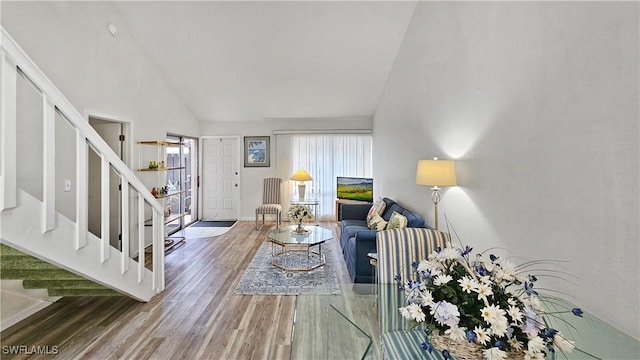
x=51, y=236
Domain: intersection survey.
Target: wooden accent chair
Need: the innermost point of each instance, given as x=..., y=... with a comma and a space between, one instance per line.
x=397, y=250
x=270, y=200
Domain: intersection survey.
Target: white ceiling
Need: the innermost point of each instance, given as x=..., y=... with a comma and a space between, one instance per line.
x=234, y=61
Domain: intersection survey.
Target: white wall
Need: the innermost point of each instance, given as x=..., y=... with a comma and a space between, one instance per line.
x=251, y=177
x=538, y=103
x=98, y=73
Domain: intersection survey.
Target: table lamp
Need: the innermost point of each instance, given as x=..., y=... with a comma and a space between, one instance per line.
x=436, y=173
x=301, y=176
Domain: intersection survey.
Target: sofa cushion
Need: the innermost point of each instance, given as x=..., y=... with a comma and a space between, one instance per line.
x=397, y=221
x=377, y=223
x=353, y=229
x=350, y=223
x=391, y=209
x=376, y=209
x=413, y=220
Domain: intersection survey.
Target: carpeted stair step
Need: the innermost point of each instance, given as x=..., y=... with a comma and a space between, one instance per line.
x=39, y=274
x=83, y=292
x=24, y=262
x=61, y=284
x=8, y=250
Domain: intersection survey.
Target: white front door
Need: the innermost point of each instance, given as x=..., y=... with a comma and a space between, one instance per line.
x=220, y=180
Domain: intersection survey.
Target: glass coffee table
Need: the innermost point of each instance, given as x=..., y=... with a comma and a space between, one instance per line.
x=294, y=252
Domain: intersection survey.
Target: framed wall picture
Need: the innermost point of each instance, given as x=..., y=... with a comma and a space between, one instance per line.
x=256, y=151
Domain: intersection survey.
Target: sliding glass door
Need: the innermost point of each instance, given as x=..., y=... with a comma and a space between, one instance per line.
x=183, y=177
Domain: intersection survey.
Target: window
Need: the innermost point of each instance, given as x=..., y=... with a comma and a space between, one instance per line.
x=325, y=157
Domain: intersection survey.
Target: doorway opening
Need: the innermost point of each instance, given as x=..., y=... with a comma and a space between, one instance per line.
x=116, y=134
x=183, y=160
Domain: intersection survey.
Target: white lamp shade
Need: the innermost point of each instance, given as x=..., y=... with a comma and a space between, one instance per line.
x=436, y=173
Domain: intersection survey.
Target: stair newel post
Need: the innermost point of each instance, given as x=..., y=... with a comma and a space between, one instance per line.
x=124, y=200
x=8, y=123
x=48, y=163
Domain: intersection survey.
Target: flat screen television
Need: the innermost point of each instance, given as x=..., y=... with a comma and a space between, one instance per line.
x=353, y=188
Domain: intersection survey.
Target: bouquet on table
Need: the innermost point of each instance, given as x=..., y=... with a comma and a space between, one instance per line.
x=297, y=213
x=480, y=307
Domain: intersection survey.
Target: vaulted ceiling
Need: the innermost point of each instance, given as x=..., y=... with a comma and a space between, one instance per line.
x=233, y=61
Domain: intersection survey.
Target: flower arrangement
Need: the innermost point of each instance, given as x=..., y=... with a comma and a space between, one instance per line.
x=482, y=303
x=297, y=213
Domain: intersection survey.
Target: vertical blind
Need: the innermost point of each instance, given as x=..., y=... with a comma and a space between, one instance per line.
x=325, y=157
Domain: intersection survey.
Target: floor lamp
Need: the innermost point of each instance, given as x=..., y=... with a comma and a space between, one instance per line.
x=436, y=173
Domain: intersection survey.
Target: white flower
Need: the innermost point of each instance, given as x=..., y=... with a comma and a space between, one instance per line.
x=515, y=313
x=483, y=291
x=442, y=279
x=496, y=318
x=487, y=263
x=456, y=334
x=494, y=353
x=432, y=267
x=412, y=312
x=515, y=344
x=536, y=304
x=482, y=335
x=492, y=314
x=505, y=273
x=404, y=311
x=566, y=346
x=535, y=344
x=499, y=328
x=426, y=299
x=424, y=265
x=467, y=284
x=450, y=253
x=416, y=312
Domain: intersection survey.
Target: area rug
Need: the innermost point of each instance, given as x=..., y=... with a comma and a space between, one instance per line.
x=214, y=223
x=262, y=278
x=207, y=229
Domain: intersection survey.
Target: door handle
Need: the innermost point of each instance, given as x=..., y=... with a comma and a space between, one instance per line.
x=236, y=185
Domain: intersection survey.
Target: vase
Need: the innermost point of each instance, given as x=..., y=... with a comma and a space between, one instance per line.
x=299, y=229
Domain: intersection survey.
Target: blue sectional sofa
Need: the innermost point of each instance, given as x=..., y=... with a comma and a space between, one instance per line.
x=357, y=240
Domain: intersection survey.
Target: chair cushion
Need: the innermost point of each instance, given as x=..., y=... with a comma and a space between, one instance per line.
x=403, y=345
x=269, y=209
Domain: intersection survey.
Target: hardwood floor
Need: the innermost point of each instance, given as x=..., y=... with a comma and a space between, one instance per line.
x=197, y=316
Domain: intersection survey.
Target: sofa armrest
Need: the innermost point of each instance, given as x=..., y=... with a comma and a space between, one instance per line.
x=354, y=211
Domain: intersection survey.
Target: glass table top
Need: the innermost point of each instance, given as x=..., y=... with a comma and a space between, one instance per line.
x=340, y=326
x=286, y=236
x=305, y=201
x=366, y=311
